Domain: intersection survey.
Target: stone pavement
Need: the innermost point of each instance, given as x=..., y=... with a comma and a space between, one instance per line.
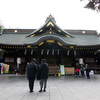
x=14, y=87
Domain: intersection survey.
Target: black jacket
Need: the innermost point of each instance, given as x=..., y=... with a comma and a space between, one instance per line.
x=87, y=69
x=31, y=70
x=44, y=71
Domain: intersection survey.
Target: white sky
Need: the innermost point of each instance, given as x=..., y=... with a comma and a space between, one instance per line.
x=31, y=14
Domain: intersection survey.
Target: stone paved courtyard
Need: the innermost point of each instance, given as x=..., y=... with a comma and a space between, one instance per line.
x=14, y=87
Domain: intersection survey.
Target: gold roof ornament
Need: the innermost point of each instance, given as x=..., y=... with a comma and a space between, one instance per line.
x=50, y=23
x=50, y=32
x=15, y=31
x=50, y=28
x=59, y=30
x=59, y=44
x=28, y=46
x=72, y=47
x=41, y=43
x=68, y=36
x=50, y=41
x=41, y=30
x=32, y=35
x=83, y=32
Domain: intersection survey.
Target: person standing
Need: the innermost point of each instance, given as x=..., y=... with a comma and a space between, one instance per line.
x=82, y=70
x=43, y=74
x=77, y=71
x=87, y=71
x=16, y=71
x=31, y=73
x=2, y=69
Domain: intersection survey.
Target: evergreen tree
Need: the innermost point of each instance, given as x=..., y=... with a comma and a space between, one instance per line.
x=0, y=28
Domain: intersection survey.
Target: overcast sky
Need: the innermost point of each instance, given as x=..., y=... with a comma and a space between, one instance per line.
x=31, y=14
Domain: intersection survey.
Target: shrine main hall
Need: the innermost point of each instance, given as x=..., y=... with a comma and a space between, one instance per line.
x=58, y=46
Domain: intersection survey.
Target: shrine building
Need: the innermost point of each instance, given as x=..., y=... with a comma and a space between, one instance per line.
x=58, y=46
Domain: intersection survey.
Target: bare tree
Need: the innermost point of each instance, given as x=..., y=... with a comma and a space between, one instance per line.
x=0, y=28
x=93, y=4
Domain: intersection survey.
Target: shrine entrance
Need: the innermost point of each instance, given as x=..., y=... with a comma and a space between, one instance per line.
x=53, y=58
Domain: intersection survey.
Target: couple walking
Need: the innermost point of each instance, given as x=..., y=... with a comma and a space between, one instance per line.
x=41, y=71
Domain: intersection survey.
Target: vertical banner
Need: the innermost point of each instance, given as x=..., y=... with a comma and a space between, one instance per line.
x=80, y=60
x=62, y=69
x=6, y=68
x=18, y=62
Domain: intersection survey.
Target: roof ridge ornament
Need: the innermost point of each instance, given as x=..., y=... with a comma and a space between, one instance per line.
x=50, y=17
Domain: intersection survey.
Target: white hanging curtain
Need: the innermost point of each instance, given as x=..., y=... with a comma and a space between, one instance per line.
x=75, y=52
x=68, y=52
x=31, y=51
x=48, y=52
x=58, y=52
x=25, y=51
x=52, y=52
x=42, y=52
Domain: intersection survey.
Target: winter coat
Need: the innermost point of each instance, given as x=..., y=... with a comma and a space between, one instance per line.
x=31, y=70
x=82, y=68
x=44, y=71
x=87, y=69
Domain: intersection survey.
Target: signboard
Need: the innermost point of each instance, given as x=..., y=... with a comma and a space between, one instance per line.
x=6, y=68
x=62, y=69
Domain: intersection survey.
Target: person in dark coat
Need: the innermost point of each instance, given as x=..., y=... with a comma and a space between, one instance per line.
x=31, y=73
x=87, y=71
x=43, y=74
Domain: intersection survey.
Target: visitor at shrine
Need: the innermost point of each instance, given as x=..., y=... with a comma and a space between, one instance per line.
x=31, y=74
x=2, y=69
x=87, y=71
x=44, y=75
x=77, y=71
x=82, y=68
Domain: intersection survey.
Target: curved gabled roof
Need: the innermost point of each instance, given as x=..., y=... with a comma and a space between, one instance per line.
x=51, y=37
x=51, y=23
x=9, y=37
